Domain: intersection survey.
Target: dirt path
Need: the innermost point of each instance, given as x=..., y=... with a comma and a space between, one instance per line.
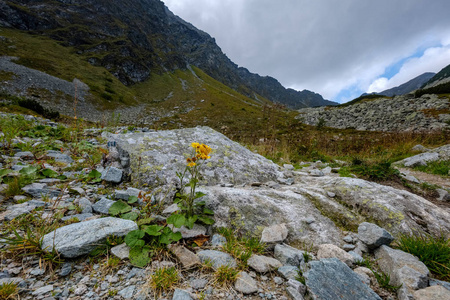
x=429, y=178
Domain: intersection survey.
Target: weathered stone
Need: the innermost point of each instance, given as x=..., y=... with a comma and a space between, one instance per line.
x=433, y=282
x=245, y=284
x=38, y=190
x=274, y=234
x=181, y=295
x=330, y=250
x=127, y=292
x=198, y=283
x=366, y=275
x=340, y=280
x=263, y=264
x=293, y=293
x=230, y=162
x=432, y=293
x=187, y=233
x=24, y=155
x=289, y=255
x=112, y=174
x=218, y=240
x=216, y=258
x=42, y=290
x=171, y=209
x=79, y=217
x=297, y=285
x=373, y=236
x=316, y=173
x=17, y=210
x=59, y=157
x=288, y=272
x=80, y=238
x=122, y=251
x=102, y=206
x=187, y=258
x=420, y=159
x=443, y=195
x=403, y=268
x=84, y=204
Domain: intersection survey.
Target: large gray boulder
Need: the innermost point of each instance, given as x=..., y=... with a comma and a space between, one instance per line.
x=373, y=235
x=155, y=157
x=357, y=200
x=340, y=282
x=81, y=238
x=256, y=208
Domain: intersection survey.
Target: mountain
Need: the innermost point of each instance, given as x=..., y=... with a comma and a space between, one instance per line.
x=443, y=76
x=135, y=39
x=409, y=86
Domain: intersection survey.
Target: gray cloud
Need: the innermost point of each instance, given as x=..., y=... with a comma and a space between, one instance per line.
x=322, y=45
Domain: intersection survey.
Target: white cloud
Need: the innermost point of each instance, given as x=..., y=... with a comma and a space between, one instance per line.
x=324, y=46
x=433, y=60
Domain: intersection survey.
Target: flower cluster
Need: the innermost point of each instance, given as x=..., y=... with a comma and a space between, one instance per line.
x=202, y=151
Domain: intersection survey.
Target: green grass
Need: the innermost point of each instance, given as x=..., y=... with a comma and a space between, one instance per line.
x=164, y=279
x=436, y=167
x=378, y=171
x=433, y=251
x=8, y=291
x=225, y=275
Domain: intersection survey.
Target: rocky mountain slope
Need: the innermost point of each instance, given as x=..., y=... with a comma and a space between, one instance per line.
x=401, y=113
x=442, y=77
x=322, y=216
x=134, y=39
x=409, y=86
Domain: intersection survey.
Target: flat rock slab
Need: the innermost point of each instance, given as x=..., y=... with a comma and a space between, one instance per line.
x=263, y=264
x=81, y=238
x=155, y=157
x=373, y=236
x=340, y=282
x=217, y=258
x=187, y=258
x=245, y=284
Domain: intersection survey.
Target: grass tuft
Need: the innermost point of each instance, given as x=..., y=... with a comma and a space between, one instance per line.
x=8, y=291
x=164, y=279
x=434, y=252
x=225, y=276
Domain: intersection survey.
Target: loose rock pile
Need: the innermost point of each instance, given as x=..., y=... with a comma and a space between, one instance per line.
x=402, y=113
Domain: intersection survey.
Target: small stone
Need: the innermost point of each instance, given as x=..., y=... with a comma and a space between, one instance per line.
x=171, y=209
x=443, y=195
x=278, y=280
x=356, y=257
x=297, y=285
x=288, y=255
x=245, y=284
x=127, y=292
x=288, y=167
x=288, y=272
x=432, y=292
x=330, y=250
x=218, y=240
x=43, y=290
x=217, y=258
x=274, y=234
x=373, y=236
x=187, y=258
x=348, y=239
x=293, y=293
x=310, y=220
x=66, y=268
x=198, y=284
x=122, y=251
x=348, y=247
x=112, y=174
x=181, y=295
x=331, y=194
x=102, y=206
x=263, y=264
x=366, y=275
x=316, y=173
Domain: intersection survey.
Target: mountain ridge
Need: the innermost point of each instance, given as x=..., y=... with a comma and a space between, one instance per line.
x=408, y=86
x=133, y=39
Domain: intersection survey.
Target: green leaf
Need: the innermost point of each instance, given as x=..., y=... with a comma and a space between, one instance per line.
x=206, y=220
x=153, y=230
x=94, y=174
x=130, y=216
x=62, y=177
x=140, y=256
x=199, y=195
x=168, y=236
x=208, y=211
x=71, y=207
x=4, y=172
x=119, y=207
x=190, y=221
x=30, y=170
x=134, y=238
x=144, y=221
x=132, y=199
x=177, y=220
x=49, y=173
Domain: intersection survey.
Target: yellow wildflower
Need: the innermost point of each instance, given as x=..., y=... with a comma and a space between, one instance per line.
x=191, y=164
x=195, y=145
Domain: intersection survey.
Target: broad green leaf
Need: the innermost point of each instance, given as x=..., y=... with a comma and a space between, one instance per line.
x=190, y=221
x=153, y=230
x=208, y=211
x=168, y=236
x=140, y=256
x=94, y=174
x=30, y=170
x=134, y=238
x=119, y=207
x=144, y=221
x=130, y=216
x=206, y=220
x=199, y=195
x=132, y=199
x=177, y=220
x=4, y=172
x=49, y=173
x=62, y=177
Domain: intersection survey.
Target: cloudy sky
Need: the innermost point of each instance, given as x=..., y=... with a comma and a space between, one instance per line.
x=338, y=48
